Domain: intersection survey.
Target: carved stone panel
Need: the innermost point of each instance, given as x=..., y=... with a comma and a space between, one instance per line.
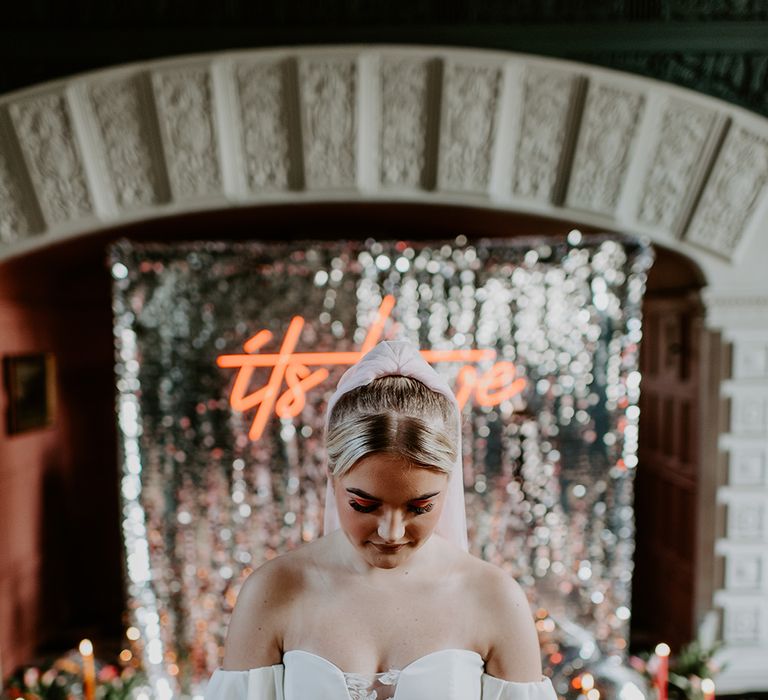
x=185, y=111
x=747, y=467
x=610, y=120
x=742, y=624
x=13, y=222
x=328, y=91
x=746, y=521
x=16, y=220
x=404, y=116
x=744, y=571
x=547, y=104
x=732, y=192
x=750, y=359
x=684, y=132
x=44, y=128
x=129, y=138
x=261, y=89
x=468, y=129
x=749, y=414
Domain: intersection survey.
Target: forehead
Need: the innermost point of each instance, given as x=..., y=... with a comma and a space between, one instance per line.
x=391, y=477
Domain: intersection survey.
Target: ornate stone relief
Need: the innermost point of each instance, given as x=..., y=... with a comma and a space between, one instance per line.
x=741, y=624
x=185, y=111
x=328, y=89
x=15, y=222
x=265, y=123
x=750, y=359
x=747, y=467
x=746, y=521
x=744, y=547
x=44, y=129
x=683, y=136
x=738, y=179
x=404, y=117
x=608, y=128
x=547, y=101
x=128, y=134
x=306, y=139
x=744, y=572
x=468, y=129
x=750, y=414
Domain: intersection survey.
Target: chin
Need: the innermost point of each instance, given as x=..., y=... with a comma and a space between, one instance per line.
x=387, y=560
x=386, y=564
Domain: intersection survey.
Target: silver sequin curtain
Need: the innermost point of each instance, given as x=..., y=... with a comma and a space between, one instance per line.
x=550, y=421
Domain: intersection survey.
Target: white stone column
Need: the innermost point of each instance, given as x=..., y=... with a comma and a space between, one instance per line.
x=742, y=493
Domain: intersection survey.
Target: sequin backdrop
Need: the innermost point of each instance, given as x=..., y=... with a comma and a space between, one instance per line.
x=548, y=471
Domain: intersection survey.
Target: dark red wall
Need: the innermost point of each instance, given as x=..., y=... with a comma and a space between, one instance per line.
x=60, y=563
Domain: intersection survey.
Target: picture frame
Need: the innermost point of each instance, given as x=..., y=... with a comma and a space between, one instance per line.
x=30, y=382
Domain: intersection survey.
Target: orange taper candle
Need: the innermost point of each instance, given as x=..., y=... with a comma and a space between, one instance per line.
x=89, y=669
x=662, y=673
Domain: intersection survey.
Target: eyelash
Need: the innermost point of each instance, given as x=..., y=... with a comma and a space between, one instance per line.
x=416, y=510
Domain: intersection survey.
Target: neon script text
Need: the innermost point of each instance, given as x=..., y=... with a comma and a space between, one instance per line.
x=291, y=368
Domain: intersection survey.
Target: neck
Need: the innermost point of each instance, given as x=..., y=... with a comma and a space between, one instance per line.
x=423, y=561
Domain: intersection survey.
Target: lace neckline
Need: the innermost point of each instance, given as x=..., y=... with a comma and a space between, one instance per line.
x=376, y=687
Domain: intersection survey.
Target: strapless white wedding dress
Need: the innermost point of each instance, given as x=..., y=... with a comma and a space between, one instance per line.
x=448, y=674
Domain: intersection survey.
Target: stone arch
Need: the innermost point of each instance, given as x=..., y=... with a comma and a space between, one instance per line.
x=489, y=129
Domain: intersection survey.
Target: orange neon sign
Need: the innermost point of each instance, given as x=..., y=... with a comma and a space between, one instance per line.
x=490, y=388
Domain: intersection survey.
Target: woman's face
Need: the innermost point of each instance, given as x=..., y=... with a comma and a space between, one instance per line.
x=388, y=508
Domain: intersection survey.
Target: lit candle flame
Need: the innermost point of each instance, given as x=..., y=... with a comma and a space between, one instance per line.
x=89, y=669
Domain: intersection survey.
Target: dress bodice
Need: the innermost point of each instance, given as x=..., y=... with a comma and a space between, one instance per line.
x=448, y=674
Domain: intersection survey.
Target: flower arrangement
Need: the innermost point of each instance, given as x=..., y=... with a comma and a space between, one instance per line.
x=63, y=680
x=692, y=665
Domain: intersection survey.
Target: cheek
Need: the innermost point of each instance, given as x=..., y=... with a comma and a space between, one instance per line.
x=358, y=525
x=424, y=525
x=428, y=521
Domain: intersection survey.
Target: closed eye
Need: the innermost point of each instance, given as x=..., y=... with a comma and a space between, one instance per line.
x=420, y=510
x=363, y=507
x=417, y=508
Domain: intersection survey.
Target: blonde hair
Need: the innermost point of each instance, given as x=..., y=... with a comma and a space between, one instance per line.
x=397, y=415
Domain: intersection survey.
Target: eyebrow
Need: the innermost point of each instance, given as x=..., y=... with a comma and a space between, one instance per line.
x=363, y=494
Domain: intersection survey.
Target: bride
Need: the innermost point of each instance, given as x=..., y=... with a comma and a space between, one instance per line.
x=389, y=603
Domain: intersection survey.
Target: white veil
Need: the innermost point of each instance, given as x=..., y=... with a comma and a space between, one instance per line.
x=398, y=357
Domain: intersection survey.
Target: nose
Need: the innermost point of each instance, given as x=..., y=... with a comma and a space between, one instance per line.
x=391, y=526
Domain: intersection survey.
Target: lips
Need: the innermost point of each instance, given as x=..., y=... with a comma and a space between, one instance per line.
x=388, y=548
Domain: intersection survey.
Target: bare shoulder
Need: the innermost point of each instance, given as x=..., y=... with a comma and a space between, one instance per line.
x=255, y=634
x=513, y=644
x=499, y=587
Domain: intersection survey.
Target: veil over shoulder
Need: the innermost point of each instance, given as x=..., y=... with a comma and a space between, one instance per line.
x=402, y=358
